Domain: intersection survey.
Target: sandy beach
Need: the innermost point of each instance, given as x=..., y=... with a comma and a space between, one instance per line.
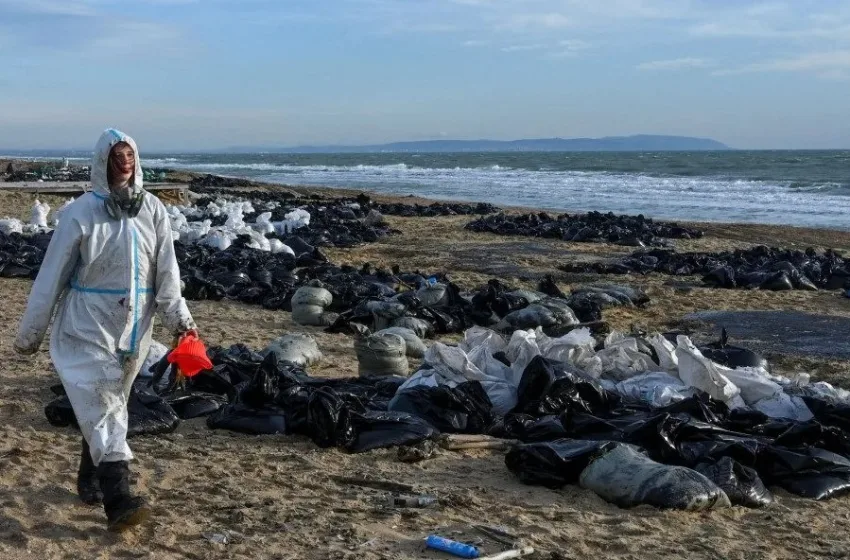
x=276, y=497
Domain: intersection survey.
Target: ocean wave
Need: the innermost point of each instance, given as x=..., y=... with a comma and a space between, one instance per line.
x=677, y=194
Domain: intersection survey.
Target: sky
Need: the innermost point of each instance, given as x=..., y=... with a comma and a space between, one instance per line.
x=194, y=75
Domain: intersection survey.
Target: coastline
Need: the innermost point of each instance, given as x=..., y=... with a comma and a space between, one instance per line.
x=792, y=237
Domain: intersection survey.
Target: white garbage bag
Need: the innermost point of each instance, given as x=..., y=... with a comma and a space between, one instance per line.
x=277, y=246
x=308, y=305
x=235, y=218
x=40, y=210
x=521, y=349
x=419, y=326
x=297, y=348
x=9, y=226
x=451, y=366
x=381, y=354
x=666, y=352
x=263, y=223
x=258, y=240
x=195, y=231
x=220, y=240
x=414, y=347
x=783, y=405
x=752, y=382
x=621, y=358
x=698, y=371
x=658, y=388
x=826, y=391
x=373, y=218
x=483, y=359
x=482, y=336
x=563, y=347
x=385, y=312
x=433, y=295
x=627, y=478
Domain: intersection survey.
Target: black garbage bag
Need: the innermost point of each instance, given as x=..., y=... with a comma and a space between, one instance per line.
x=663, y=436
x=549, y=287
x=148, y=413
x=255, y=409
x=808, y=434
x=829, y=413
x=574, y=391
x=462, y=409
x=701, y=406
x=221, y=380
x=527, y=428
x=60, y=414
x=554, y=463
x=721, y=277
x=746, y=420
x=742, y=450
x=583, y=425
x=537, y=378
x=196, y=405
x=732, y=356
x=329, y=421
x=263, y=387
x=778, y=281
x=240, y=417
x=586, y=307
x=809, y=472
x=374, y=429
x=550, y=387
x=741, y=484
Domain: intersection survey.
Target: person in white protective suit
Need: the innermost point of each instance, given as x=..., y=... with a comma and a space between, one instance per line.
x=109, y=268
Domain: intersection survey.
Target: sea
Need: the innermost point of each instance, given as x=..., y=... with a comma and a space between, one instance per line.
x=798, y=188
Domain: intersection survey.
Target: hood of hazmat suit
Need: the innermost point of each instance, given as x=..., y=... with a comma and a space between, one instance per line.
x=107, y=271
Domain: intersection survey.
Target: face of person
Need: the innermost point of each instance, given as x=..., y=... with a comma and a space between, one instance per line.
x=122, y=163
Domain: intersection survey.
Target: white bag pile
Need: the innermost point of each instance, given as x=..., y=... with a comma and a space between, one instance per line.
x=624, y=364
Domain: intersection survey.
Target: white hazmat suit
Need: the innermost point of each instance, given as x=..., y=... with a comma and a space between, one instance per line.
x=106, y=276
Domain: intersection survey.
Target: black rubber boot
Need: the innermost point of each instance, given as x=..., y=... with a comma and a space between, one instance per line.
x=88, y=487
x=123, y=510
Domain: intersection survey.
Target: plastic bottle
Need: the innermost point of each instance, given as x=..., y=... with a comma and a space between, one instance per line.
x=452, y=547
x=413, y=501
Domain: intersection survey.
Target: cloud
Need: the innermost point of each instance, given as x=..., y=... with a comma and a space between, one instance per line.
x=18, y=8
x=475, y=43
x=568, y=48
x=551, y=20
x=521, y=48
x=828, y=63
x=774, y=21
x=574, y=44
x=674, y=64
x=77, y=27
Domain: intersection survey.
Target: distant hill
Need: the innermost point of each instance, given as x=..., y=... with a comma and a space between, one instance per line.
x=637, y=143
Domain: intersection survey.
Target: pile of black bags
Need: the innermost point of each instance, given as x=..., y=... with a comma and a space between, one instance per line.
x=693, y=454
x=593, y=227
x=766, y=268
